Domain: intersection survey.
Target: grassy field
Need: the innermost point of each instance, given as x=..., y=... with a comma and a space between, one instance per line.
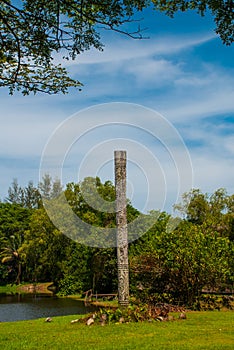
x=201, y=330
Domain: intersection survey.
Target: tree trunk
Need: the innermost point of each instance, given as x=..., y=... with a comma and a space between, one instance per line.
x=19, y=271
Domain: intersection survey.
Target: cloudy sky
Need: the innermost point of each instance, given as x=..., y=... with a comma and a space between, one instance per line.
x=174, y=95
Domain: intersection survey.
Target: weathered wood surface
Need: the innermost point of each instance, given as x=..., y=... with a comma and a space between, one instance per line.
x=122, y=230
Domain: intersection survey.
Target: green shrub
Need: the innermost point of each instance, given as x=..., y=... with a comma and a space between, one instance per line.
x=69, y=285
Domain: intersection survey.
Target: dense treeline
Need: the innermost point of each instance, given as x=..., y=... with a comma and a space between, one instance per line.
x=173, y=261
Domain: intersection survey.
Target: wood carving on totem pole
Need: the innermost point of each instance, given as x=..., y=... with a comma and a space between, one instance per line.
x=122, y=229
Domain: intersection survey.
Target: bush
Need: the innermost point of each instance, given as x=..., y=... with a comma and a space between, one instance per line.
x=212, y=302
x=69, y=285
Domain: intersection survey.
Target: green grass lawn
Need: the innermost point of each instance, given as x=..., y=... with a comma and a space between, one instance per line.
x=201, y=330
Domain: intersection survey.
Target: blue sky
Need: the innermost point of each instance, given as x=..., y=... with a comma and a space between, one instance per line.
x=183, y=71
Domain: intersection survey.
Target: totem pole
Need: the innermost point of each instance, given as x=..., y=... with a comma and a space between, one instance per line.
x=122, y=229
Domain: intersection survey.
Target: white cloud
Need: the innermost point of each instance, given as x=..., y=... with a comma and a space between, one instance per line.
x=127, y=49
x=229, y=143
x=200, y=106
x=211, y=172
x=159, y=73
x=193, y=90
x=152, y=71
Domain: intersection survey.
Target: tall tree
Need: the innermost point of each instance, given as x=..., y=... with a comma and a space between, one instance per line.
x=15, y=193
x=27, y=197
x=177, y=265
x=49, y=188
x=14, y=221
x=32, y=197
x=31, y=32
x=43, y=248
x=214, y=211
x=10, y=255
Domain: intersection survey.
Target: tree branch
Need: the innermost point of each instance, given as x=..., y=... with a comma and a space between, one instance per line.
x=18, y=47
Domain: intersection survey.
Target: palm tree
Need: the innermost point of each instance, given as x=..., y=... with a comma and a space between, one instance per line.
x=10, y=254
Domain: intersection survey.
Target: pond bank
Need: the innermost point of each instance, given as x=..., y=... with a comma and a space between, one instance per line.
x=28, y=288
x=37, y=288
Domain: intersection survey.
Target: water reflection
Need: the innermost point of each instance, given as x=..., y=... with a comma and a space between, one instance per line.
x=30, y=306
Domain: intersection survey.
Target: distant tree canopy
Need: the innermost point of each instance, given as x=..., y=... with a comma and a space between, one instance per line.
x=169, y=265
x=31, y=32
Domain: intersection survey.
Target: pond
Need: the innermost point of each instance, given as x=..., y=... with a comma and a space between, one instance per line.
x=17, y=307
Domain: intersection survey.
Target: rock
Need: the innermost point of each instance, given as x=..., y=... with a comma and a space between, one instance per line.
x=103, y=319
x=170, y=318
x=90, y=321
x=160, y=318
x=182, y=316
x=48, y=319
x=75, y=321
x=121, y=320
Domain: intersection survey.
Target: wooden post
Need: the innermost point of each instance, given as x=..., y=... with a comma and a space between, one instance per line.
x=122, y=229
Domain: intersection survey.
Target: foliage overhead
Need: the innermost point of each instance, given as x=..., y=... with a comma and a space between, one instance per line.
x=32, y=32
